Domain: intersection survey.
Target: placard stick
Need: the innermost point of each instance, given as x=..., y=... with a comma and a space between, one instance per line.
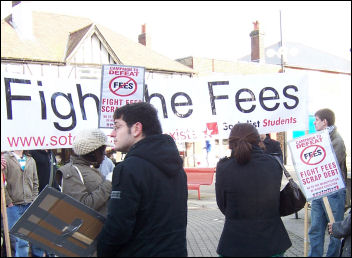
x=305, y=230
x=4, y=217
x=328, y=209
x=82, y=238
x=305, y=243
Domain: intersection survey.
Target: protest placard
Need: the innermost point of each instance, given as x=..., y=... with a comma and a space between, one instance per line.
x=60, y=224
x=120, y=85
x=316, y=165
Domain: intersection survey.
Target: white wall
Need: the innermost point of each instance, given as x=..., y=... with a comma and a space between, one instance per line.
x=333, y=91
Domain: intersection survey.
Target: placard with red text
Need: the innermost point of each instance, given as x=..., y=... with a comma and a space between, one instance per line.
x=316, y=165
x=120, y=85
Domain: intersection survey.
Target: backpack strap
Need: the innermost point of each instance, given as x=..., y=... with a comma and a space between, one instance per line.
x=79, y=173
x=62, y=171
x=287, y=174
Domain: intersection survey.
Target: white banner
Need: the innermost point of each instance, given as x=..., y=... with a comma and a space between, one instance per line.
x=194, y=109
x=44, y=113
x=39, y=112
x=121, y=85
x=316, y=165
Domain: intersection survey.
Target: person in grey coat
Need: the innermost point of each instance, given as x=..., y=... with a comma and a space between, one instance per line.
x=21, y=189
x=79, y=178
x=325, y=120
x=342, y=229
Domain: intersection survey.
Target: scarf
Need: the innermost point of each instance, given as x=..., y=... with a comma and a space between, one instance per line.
x=330, y=128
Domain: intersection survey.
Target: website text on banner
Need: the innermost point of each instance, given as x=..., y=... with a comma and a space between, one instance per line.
x=316, y=165
x=44, y=112
x=120, y=85
x=194, y=109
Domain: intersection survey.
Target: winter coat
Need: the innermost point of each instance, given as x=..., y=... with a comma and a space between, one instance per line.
x=340, y=151
x=21, y=186
x=343, y=229
x=93, y=192
x=249, y=197
x=148, y=207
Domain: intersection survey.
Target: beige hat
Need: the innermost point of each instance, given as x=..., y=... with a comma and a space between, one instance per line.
x=89, y=140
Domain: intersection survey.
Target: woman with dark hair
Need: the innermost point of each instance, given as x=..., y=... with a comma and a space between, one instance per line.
x=248, y=194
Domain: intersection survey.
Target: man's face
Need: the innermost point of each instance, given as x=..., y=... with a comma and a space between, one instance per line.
x=100, y=154
x=320, y=124
x=123, y=139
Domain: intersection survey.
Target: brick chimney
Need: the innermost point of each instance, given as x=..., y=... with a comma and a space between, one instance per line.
x=143, y=38
x=257, y=44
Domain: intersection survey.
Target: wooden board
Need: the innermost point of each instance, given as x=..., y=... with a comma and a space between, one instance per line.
x=60, y=224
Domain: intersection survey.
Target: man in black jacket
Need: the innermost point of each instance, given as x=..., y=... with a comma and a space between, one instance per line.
x=46, y=168
x=147, y=212
x=271, y=146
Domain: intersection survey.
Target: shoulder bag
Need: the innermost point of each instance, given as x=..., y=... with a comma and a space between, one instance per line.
x=292, y=198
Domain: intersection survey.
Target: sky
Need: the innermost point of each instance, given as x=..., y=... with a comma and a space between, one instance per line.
x=215, y=29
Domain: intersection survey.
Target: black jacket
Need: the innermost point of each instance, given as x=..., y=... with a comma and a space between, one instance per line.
x=42, y=160
x=248, y=195
x=272, y=147
x=147, y=212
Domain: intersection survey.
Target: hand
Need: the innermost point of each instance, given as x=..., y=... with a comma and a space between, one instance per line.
x=109, y=176
x=3, y=163
x=330, y=228
x=10, y=205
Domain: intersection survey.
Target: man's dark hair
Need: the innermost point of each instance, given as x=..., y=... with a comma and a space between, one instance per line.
x=327, y=114
x=142, y=112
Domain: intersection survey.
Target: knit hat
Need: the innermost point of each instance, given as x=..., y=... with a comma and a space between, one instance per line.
x=89, y=140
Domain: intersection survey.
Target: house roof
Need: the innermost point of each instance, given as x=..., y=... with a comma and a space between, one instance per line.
x=51, y=32
x=301, y=56
x=136, y=54
x=74, y=39
x=57, y=36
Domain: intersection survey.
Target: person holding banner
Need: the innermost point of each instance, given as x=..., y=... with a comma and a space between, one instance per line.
x=21, y=189
x=147, y=213
x=79, y=178
x=107, y=166
x=271, y=146
x=3, y=161
x=12, y=244
x=325, y=120
x=342, y=229
x=247, y=190
x=46, y=168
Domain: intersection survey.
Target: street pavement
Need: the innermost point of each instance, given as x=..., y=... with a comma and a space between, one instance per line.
x=205, y=224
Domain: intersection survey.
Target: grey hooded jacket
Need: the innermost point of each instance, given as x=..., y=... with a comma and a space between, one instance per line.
x=21, y=185
x=343, y=229
x=340, y=151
